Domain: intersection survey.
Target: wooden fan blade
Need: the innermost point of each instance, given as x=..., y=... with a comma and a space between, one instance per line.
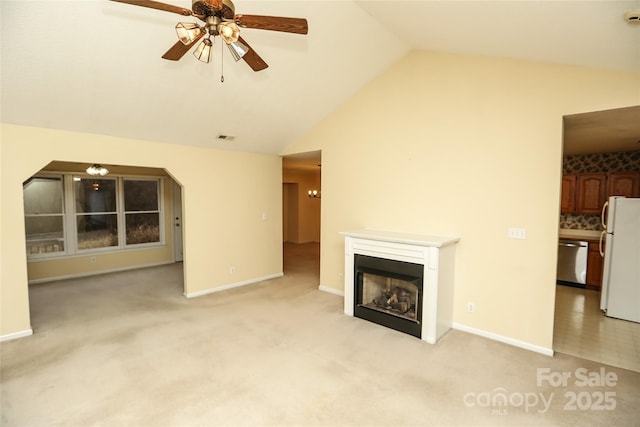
x=157, y=5
x=273, y=23
x=178, y=50
x=252, y=58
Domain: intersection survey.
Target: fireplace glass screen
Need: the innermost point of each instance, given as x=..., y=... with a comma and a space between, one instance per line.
x=389, y=295
x=389, y=292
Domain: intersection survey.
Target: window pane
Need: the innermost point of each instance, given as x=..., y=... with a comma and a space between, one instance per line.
x=140, y=195
x=44, y=234
x=43, y=196
x=143, y=228
x=95, y=195
x=97, y=231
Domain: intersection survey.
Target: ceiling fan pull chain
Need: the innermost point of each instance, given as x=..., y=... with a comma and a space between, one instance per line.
x=221, y=64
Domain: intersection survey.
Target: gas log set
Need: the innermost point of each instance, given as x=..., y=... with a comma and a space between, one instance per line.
x=397, y=301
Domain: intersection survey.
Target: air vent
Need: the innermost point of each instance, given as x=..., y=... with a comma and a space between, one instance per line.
x=223, y=137
x=633, y=16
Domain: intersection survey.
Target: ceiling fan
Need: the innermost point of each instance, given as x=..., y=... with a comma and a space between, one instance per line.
x=220, y=19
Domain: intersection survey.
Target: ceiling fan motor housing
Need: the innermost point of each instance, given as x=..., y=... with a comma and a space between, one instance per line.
x=221, y=8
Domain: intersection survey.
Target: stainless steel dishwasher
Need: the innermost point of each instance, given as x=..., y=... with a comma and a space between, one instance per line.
x=572, y=261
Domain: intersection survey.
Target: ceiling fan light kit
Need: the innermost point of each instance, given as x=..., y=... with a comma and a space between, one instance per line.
x=238, y=50
x=188, y=32
x=221, y=20
x=229, y=32
x=203, y=51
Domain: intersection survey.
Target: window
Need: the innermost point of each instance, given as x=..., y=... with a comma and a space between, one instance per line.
x=66, y=215
x=96, y=213
x=142, y=211
x=44, y=215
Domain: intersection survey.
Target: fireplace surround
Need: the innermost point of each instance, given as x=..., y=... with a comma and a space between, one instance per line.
x=403, y=281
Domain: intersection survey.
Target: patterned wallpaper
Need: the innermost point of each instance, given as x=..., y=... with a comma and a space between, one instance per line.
x=628, y=161
x=580, y=222
x=587, y=163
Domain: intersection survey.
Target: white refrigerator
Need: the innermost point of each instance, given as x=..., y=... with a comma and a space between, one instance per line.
x=620, y=296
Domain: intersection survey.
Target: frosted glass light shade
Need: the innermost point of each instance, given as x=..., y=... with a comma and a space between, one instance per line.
x=238, y=50
x=229, y=32
x=203, y=51
x=97, y=169
x=187, y=32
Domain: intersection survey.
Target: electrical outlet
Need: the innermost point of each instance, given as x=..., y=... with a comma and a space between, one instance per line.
x=471, y=307
x=232, y=269
x=93, y=260
x=341, y=277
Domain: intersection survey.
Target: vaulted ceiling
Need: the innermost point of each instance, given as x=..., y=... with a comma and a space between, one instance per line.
x=95, y=66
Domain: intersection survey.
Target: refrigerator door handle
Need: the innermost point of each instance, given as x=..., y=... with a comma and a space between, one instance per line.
x=600, y=243
x=604, y=212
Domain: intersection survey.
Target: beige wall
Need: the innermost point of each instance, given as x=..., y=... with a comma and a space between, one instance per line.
x=224, y=197
x=308, y=209
x=471, y=146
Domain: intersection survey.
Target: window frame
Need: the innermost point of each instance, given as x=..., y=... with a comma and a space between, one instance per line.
x=63, y=214
x=122, y=237
x=70, y=215
x=76, y=215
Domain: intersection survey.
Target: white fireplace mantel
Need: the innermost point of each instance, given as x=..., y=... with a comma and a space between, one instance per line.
x=434, y=252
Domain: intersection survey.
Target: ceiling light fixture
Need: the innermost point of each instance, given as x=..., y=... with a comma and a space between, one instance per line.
x=97, y=169
x=188, y=32
x=220, y=19
x=203, y=52
x=238, y=50
x=229, y=32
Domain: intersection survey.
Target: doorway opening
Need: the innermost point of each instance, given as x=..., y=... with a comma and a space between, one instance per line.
x=597, y=163
x=301, y=211
x=83, y=229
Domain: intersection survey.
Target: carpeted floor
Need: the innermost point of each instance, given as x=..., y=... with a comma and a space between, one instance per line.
x=127, y=349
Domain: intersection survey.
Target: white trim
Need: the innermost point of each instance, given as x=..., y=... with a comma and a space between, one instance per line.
x=95, y=273
x=503, y=339
x=16, y=335
x=232, y=285
x=331, y=290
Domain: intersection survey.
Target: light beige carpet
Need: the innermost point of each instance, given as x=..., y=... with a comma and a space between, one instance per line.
x=127, y=349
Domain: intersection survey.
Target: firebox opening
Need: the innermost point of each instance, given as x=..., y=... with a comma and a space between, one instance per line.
x=389, y=293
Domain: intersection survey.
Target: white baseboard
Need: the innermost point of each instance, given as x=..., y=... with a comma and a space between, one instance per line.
x=331, y=290
x=232, y=285
x=16, y=335
x=503, y=339
x=95, y=273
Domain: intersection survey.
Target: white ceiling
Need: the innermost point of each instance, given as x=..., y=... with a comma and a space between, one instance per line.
x=95, y=66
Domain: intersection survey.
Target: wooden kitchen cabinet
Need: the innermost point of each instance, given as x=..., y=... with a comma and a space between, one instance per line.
x=591, y=189
x=585, y=193
x=568, y=202
x=595, y=266
x=624, y=184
